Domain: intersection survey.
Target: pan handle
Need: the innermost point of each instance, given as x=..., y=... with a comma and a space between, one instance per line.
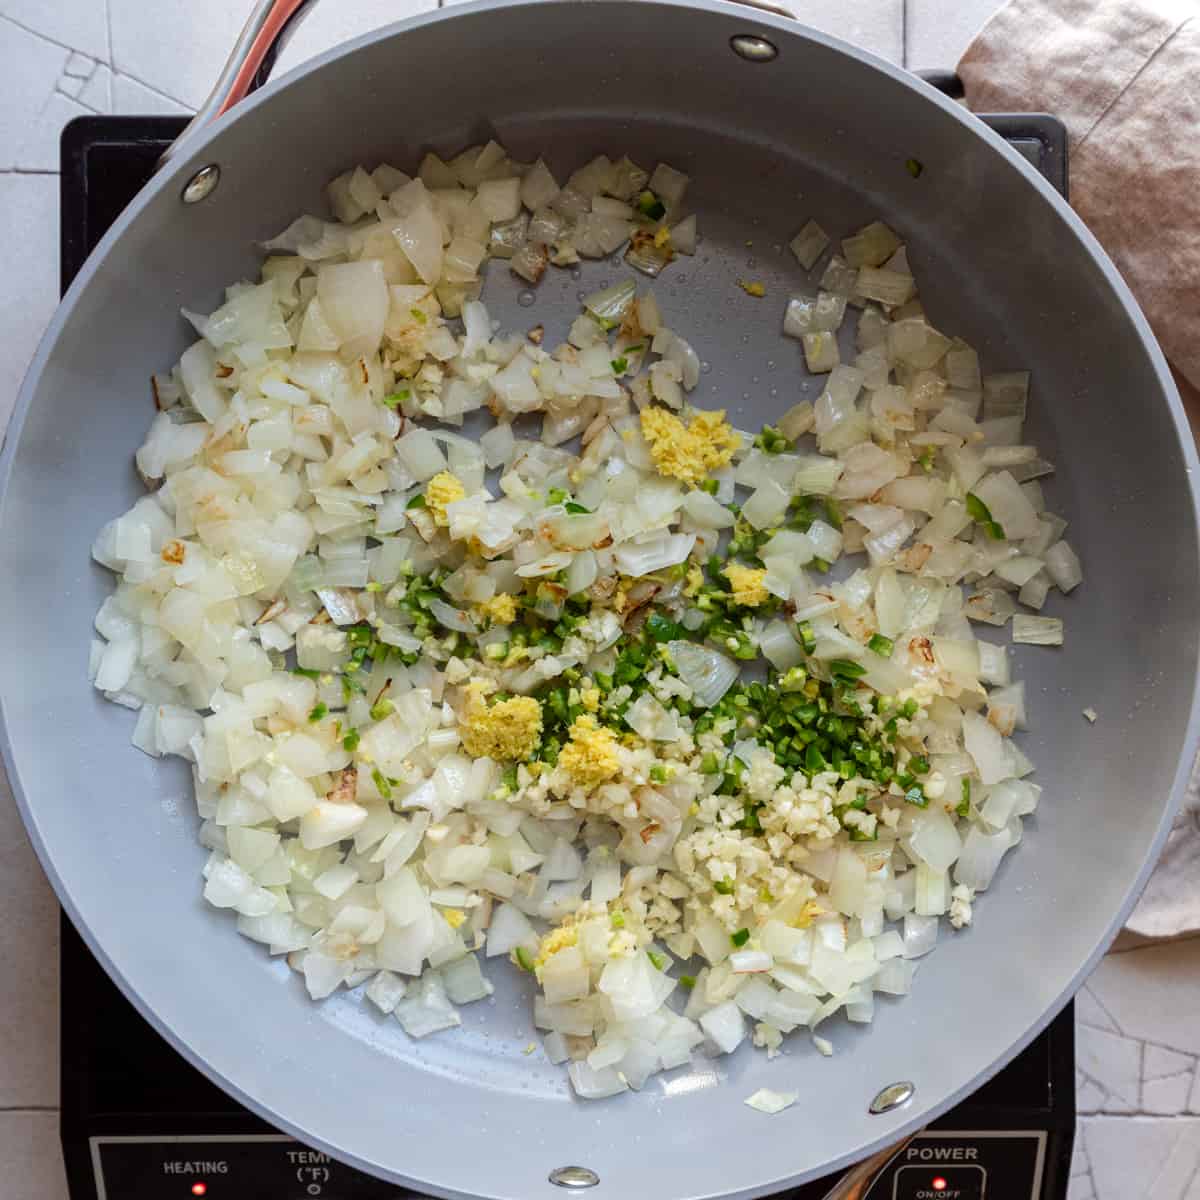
x=263, y=36
x=265, y=33
x=857, y=1182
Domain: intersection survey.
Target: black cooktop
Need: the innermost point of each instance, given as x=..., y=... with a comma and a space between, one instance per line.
x=140, y=1123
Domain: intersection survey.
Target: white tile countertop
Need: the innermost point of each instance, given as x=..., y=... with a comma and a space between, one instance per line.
x=1138, y=1017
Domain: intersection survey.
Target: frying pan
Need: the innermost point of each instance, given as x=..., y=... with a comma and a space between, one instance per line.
x=803, y=126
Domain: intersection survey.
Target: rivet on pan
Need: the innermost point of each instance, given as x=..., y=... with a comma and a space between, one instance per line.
x=892, y=1097
x=201, y=185
x=752, y=48
x=574, y=1177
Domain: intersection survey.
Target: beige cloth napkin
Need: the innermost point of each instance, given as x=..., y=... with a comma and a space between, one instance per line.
x=1124, y=76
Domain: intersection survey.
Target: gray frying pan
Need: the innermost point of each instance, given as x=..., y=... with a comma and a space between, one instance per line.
x=801, y=126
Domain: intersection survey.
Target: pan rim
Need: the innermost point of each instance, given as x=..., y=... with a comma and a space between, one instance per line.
x=191, y=156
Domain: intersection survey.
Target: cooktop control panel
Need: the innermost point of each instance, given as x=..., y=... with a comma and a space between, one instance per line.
x=226, y=1167
x=968, y=1165
x=938, y=1165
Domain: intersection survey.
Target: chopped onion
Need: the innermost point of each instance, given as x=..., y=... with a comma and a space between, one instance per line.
x=748, y=962
x=707, y=511
x=820, y=352
x=707, y=672
x=592, y=1084
x=986, y=747
x=809, y=244
x=354, y=299
x=683, y=235
x=497, y=445
x=981, y=855
x=920, y=934
x=769, y=1102
x=725, y=1026
x=509, y=929
x=420, y=453
x=1062, y=565
x=779, y=646
x=871, y=246
x=766, y=506
x=890, y=288
x=426, y=1008
x=611, y=304
x=1009, y=506
x=633, y=559
x=934, y=839
x=1037, y=631
x=452, y=618
x=1033, y=593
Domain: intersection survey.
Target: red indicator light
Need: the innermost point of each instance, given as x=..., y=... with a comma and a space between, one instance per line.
x=939, y=1183
x=199, y=1189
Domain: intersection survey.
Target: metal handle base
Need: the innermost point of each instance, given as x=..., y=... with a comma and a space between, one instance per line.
x=857, y=1181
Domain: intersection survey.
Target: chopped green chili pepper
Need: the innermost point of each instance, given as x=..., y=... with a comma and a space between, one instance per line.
x=740, y=938
x=843, y=668
x=319, y=710
x=663, y=629
x=381, y=783
x=808, y=639
x=382, y=708
x=573, y=506
x=524, y=958
x=978, y=511
x=964, y=805
x=419, y=315
x=618, y=920
x=687, y=981
x=350, y=741
x=857, y=835
x=659, y=960
x=710, y=486
x=881, y=645
x=771, y=440
x=914, y=166
x=814, y=760
x=649, y=205
x=723, y=887
x=620, y=365
x=397, y=398
x=418, y=501
x=306, y=672
x=793, y=680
